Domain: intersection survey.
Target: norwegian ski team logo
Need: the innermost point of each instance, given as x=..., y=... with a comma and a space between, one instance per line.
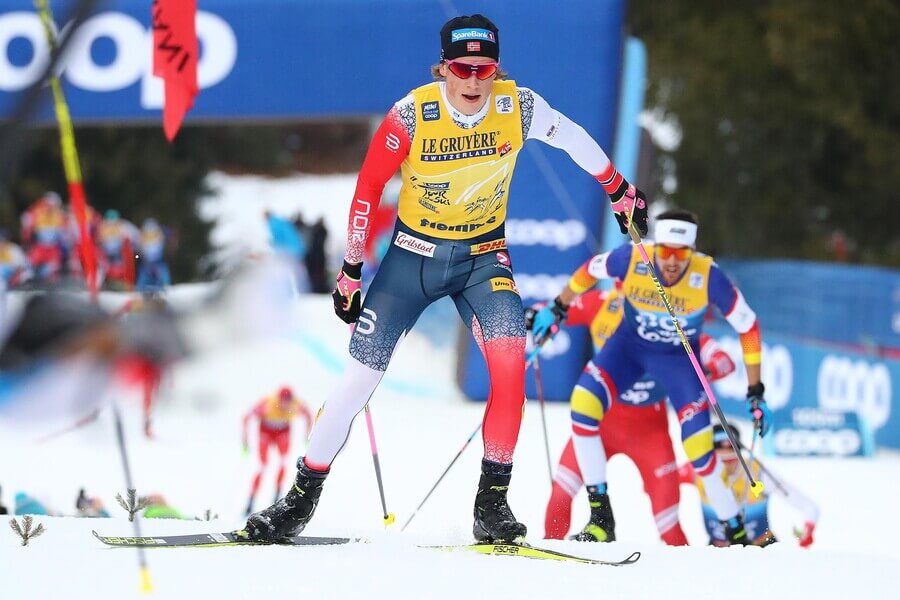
x=473, y=46
x=431, y=111
x=504, y=105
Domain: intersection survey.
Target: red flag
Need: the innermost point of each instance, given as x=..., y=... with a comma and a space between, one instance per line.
x=175, y=52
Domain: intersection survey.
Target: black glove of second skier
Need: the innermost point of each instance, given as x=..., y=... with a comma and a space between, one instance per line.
x=759, y=410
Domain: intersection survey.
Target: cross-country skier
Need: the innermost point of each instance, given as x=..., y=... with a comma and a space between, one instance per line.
x=754, y=510
x=275, y=414
x=455, y=142
x=637, y=426
x=648, y=342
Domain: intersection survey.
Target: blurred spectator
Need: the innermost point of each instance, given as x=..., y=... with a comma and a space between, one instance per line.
x=160, y=509
x=43, y=229
x=153, y=272
x=14, y=266
x=118, y=238
x=316, y=258
x=28, y=505
x=89, y=506
x=73, y=252
x=3, y=509
x=287, y=242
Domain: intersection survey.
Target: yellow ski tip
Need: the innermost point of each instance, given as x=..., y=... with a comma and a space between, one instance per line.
x=389, y=520
x=757, y=488
x=146, y=584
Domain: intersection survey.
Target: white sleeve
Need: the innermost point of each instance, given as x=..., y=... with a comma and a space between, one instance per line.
x=801, y=503
x=556, y=129
x=741, y=317
x=597, y=267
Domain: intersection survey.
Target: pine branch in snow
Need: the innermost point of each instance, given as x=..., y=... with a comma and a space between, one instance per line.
x=24, y=531
x=133, y=504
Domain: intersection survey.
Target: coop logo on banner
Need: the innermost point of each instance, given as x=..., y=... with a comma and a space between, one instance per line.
x=816, y=432
x=131, y=61
x=561, y=235
x=540, y=286
x=845, y=384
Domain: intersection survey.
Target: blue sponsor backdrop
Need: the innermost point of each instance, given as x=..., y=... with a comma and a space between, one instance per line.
x=849, y=304
x=802, y=374
x=277, y=60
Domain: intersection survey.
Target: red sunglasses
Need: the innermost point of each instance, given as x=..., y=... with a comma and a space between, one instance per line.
x=665, y=252
x=464, y=70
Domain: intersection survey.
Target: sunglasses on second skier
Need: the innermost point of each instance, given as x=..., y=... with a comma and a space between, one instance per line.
x=664, y=252
x=464, y=70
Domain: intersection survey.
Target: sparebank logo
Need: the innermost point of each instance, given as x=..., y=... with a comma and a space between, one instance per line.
x=24, y=54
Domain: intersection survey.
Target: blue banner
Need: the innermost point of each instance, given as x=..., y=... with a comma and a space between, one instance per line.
x=800, y=374
x=274, y=60
x=848, y=304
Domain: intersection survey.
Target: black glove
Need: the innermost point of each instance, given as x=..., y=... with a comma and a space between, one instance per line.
x=629, y=202
x=347, y=294
x=759, y=410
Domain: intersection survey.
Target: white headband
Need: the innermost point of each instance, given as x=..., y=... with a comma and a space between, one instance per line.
x=676, y=233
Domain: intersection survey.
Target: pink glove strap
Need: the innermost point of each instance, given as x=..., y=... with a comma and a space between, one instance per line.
x=346, y=287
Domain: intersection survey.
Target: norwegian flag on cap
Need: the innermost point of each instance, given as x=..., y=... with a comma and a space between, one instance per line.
x=473, y=46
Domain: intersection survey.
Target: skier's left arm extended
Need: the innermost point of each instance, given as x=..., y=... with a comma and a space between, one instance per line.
x=609, y=265
x=729, y=299
x=556, y=129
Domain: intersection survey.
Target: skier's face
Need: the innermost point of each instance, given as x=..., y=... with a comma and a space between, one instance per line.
x=468, y=95
x=729, y=459
x=672, y=261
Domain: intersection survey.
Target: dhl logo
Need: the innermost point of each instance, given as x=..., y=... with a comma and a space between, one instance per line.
x=485, y=247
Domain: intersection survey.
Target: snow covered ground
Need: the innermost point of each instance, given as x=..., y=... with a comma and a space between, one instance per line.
x=420, y=421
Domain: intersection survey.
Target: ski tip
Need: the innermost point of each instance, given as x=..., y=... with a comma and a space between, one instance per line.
x=633, y=558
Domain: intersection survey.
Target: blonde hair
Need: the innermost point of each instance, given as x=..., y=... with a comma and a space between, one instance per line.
x=436, y=73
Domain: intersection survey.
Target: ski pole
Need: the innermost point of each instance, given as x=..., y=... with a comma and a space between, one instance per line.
x=781, y=487
x=441, y=478
x=540, y=394
x=389, y=518
x=756, y=487
x=146, y=584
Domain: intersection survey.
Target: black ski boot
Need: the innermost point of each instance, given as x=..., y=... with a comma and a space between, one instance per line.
x=602, y=525
x=735, y=532
x=494, y=521
x=288, y=516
